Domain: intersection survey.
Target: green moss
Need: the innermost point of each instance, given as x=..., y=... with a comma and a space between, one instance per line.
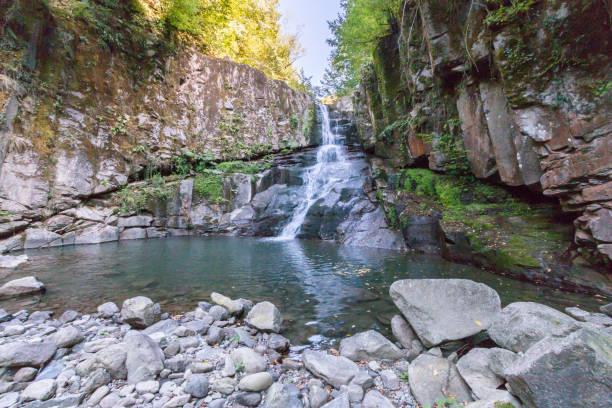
x=499, y=404
x=137, y=199
x=210, y=186
x=244, y=167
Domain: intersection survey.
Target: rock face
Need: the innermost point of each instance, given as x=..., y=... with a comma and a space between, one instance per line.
x=535, y=124
x=434, y=377
x=265, y=316
x=139, y=312
x=337, y=371
x=465, y=309
x=571, y=371
x=369, y=345
x=523, y=324
x=475, y=369
x=21, y=287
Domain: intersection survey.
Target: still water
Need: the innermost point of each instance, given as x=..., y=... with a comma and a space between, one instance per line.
x=324, y=291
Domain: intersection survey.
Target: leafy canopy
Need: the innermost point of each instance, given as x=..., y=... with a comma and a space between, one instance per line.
x=354, y=36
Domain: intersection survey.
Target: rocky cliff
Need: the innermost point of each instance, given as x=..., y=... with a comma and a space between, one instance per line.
x=83, y=114
x=515, y=94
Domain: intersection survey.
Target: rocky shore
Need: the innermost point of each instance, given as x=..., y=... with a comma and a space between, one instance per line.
x=453, y=346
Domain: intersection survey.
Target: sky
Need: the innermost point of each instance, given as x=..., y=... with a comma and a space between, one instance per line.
x=308, y=19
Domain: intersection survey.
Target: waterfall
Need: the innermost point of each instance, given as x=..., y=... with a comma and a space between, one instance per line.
x=321, y=178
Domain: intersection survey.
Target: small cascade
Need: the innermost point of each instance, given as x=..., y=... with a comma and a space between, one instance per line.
x=329, y=169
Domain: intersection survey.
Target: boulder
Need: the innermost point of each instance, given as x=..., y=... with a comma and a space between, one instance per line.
x=369, y=345
x=336, y=371
x=135, y=221
x=234, y=307
x=108, y=309
x=67, y=337
x=144, y=359
x=465, y=308
x=251, y=361
x=256, y=382
x=138, y=312
x=433, y=377
x=523, y=324
x=40, y=390
x=374, y=399
x=474, y=368
x=20, y=354
x=265, y=316
x=317, y=396
x=573, y=371
x=281, y=395
x=21, y=287
x=278, y=343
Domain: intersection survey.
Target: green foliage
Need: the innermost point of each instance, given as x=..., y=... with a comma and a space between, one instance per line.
x=239, y=367
x=4, y=213
x=403, y=376
x=459, y=196
x=188, y=162
x=135, y=199
x=209, y=184
x=244, y=167
x=499, y=404
x=355, y=33
x=450, y=145
x=121, y=126
x=235, y=338
x=505, y=13
x=602, y=89
x=294, y=122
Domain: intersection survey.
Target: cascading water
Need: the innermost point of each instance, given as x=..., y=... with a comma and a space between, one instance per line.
x=320, y=179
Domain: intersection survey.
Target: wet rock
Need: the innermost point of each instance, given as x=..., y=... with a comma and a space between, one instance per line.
x=251, y=361
x=369, y=345
x=40, y=390
x=406, y=336
x=108, y=309
x=337, y=371
x=465, y=309
x=256, y=382
x=374, y=399
x=265, y=317
x=67, y=337
x=234, y=307
x=474, y=369
x=20, y=354
x=144, y=358
x=138, y=312
x=573, y=371
x=21, y=287
x=432, y=377
x=522, y=324
x=197, y=385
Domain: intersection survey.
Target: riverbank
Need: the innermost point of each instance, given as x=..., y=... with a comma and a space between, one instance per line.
x=228, y=353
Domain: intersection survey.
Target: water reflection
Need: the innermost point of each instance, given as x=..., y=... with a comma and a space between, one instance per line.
x=323, y=290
